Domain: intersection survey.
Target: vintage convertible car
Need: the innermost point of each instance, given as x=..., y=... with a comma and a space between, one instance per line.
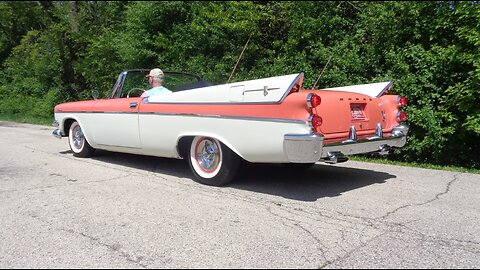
x=214, y=127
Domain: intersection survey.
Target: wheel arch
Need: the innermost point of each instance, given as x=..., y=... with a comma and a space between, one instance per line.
x=67, y=123
x=184, y=141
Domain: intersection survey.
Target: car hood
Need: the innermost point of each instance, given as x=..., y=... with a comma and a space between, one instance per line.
x=86, y=105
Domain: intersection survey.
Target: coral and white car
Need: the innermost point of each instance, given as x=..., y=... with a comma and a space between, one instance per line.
x=214, y=127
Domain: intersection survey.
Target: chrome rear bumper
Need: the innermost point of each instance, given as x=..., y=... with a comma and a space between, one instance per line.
x=308, y=148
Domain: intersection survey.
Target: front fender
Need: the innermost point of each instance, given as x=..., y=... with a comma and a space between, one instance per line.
x=66, y=120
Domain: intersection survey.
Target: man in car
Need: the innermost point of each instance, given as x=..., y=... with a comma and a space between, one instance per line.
x=155, y=78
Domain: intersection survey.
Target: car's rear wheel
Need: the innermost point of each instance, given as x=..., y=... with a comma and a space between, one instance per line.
x=212, y=162
x=78, y=143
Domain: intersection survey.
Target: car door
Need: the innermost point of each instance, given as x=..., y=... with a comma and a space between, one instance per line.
x=116, y=122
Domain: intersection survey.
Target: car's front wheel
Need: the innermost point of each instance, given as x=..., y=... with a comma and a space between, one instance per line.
x=212, y=162
x=78, y=143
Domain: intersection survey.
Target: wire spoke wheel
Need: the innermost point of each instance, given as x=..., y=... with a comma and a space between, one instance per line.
x=77, y=141
x=208, y=155
x=212, y=162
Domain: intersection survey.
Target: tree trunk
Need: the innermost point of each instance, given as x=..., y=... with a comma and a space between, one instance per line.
x=74, y=16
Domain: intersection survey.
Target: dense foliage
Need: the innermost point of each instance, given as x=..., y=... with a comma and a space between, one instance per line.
x=52, y=52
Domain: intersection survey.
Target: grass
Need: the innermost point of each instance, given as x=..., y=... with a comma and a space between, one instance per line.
x=382, y=160
x=379, y=160
x=26, y=119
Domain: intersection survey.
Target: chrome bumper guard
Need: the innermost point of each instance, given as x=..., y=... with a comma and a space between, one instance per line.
x=308, y=148
x=56, y=133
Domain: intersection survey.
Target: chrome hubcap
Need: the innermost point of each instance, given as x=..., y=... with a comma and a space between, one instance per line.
x=77, y=137
x=208, y=155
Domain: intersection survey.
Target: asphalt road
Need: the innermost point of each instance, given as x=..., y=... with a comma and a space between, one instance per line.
x=124, y=211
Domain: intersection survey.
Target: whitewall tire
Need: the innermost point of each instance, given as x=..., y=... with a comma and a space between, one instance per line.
x=77, y=141
x=212, y=162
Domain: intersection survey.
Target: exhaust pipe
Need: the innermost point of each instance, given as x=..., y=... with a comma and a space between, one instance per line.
x=384, y=149
x=335, y=157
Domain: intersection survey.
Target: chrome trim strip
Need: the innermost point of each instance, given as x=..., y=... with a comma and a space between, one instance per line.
x=250, y=118
x=385, y=89
x=265, y=90
x=309, y=121
x=145, y=101
x=300, y=75
x=111, y=145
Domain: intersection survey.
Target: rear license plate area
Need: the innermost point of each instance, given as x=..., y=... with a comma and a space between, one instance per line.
x=357, y=111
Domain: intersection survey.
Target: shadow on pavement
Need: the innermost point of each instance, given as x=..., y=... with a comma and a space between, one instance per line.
x=319, y=181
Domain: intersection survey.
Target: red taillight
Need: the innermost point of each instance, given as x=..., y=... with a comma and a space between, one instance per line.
x=401, y=116
x=402, y=101
x=315, y=122
x=313, y=100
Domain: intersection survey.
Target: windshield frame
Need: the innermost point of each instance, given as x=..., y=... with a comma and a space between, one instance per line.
x=118, y=91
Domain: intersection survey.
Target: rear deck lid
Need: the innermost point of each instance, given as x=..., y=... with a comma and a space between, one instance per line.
x=340, y=110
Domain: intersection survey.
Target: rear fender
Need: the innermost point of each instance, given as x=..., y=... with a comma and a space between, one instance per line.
x=184, y=141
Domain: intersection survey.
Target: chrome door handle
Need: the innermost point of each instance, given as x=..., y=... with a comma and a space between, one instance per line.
x=133, y=104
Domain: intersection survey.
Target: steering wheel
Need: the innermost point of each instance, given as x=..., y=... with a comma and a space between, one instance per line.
x=135, y=89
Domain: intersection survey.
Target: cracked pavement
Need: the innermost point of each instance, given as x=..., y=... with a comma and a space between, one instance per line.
x=125, y=211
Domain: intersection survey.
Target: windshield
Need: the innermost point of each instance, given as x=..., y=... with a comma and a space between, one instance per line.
x=132, y=83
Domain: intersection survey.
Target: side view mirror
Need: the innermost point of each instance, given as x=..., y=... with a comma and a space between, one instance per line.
x=95, y=94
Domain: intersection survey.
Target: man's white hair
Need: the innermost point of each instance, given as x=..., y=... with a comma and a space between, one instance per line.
x=157, y=79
